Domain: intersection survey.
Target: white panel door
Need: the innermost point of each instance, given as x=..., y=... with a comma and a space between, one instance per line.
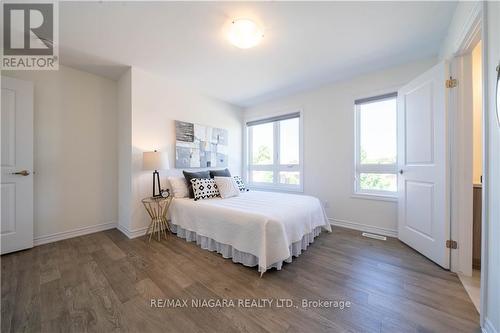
x=16, y=231
x=423, y=207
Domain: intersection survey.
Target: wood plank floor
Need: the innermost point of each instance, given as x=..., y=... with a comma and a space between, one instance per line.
x=104, y=282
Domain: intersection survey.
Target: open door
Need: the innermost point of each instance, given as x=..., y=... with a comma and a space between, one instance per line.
x=423, y=206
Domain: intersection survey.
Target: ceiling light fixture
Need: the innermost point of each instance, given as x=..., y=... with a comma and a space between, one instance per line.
x=244, y=33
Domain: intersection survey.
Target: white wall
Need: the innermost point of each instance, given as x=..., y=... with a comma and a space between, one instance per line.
x=75, y=151
x=156, y=104
x=492, y=316
x=477, y=114
x=329, y=143
x=124, y=103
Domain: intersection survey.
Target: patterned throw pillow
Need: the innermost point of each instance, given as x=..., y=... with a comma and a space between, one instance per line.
x=241, y=184
x=204, y=188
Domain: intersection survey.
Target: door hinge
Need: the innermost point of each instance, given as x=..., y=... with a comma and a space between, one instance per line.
x=451, y=244
x=451, y=83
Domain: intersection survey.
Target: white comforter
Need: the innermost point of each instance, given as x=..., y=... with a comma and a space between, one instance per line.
x=264, y=224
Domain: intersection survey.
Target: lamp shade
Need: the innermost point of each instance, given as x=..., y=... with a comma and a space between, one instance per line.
x=154, y=160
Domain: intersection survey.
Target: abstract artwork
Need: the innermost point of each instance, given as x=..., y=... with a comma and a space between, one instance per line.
x=199, y=146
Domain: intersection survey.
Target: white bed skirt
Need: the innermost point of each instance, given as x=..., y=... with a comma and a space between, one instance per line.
x=247, y=259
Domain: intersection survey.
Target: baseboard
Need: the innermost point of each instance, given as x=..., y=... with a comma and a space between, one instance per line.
x=73, y=233
x=488, y=327
x=131, y=234
x=364, y=227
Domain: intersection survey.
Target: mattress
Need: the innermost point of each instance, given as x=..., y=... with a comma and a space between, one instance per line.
x=263, y=224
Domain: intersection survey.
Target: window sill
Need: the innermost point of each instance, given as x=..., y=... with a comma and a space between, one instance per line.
x=275, y=189
x=379, y=197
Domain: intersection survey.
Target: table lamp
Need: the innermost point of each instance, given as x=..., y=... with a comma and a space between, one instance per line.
x=154, y=160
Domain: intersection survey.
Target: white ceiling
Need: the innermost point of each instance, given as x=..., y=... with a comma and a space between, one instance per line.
x=305, y=44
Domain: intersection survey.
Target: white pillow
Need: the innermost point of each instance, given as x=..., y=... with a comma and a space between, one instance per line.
x=227, y=187
x=179, y=187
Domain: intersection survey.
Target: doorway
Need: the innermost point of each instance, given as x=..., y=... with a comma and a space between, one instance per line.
x=472, y=281
x=467, y=146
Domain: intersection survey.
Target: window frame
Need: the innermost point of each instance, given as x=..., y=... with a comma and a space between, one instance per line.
x=359, y=168
x=276, y=167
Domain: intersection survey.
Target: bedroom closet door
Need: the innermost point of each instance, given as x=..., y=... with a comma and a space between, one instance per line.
x=423, y=206
x=16, y=232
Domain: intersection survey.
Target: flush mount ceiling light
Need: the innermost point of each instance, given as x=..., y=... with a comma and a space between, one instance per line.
x=244, y=33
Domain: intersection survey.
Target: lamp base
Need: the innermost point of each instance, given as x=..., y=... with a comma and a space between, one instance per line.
x=156, y=178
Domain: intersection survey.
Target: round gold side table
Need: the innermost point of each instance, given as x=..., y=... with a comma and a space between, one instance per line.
x=157, y=208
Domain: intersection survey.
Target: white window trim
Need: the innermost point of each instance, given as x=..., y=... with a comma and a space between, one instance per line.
x=276, y=187
x=370, y=168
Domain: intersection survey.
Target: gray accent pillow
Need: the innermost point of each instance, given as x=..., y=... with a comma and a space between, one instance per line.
x=220, y=173
x=190, y=175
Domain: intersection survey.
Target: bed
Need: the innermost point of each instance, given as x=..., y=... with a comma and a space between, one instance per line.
x=257, y=228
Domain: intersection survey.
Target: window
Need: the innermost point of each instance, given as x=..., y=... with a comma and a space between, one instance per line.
x=376, y=145
x=274, y=152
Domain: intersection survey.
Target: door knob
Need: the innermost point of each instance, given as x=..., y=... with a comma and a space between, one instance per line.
x=22, y=173
x=401, y=171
